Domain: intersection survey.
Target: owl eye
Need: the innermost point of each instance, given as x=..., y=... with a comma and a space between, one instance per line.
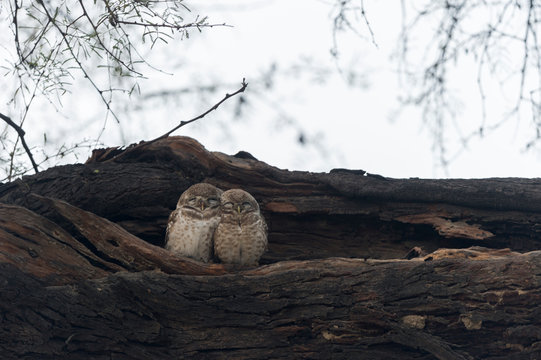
x=228, y=205
x=246, y=205
x=213, y=201
x=192, y=200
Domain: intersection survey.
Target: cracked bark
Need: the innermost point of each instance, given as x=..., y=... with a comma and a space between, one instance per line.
x=83, y=274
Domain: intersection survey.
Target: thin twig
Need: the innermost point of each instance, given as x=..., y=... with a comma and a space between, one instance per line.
x=184, y=123
x=102, y=45
x=80, y=66
x=170, y=26
x=21, y=133
x=368, y=26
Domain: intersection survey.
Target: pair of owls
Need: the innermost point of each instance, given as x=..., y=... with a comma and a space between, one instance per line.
x=207, y=219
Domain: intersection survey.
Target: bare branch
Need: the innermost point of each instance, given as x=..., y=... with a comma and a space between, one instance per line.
x=21, y=134
x=75, y=58
x=342, y=21
x=55, y=41
x=490, y=34
x=103, y=46
x=184, y=123
x=170, y=26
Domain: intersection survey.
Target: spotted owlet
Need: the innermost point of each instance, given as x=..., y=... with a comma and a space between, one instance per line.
x=241, y=236
x=191, y=226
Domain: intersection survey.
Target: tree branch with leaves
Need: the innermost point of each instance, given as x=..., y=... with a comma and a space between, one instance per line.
x=57, y=41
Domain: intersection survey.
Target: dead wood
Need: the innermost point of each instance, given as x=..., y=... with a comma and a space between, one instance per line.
x=83, y=274
x=310, y=215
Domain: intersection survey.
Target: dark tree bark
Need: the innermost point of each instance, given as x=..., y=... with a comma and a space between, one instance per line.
x=83, y=273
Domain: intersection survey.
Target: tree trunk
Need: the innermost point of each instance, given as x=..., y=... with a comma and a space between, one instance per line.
x=84, y=274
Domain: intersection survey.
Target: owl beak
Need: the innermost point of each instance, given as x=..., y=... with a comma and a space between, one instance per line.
x=238, y=209
x=202, y=206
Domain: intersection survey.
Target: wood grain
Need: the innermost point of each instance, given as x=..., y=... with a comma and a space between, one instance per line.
x=83, y=275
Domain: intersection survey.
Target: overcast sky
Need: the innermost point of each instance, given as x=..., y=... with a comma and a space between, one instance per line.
x=359, y=126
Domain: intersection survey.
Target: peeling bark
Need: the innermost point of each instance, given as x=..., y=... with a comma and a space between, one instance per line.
x=83, y=274
x=448, y=228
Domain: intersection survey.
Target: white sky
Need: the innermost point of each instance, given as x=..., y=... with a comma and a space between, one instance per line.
x=361, y=128
x=359, y=125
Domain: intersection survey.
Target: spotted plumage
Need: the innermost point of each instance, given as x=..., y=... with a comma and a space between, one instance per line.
x=241, y=236
x=191, y=226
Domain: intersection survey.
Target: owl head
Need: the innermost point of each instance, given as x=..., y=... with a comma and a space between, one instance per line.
x=238, y=202
x=200, y=198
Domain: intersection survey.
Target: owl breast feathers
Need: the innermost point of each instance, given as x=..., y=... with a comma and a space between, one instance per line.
x=241, y=235
x=191, y=226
